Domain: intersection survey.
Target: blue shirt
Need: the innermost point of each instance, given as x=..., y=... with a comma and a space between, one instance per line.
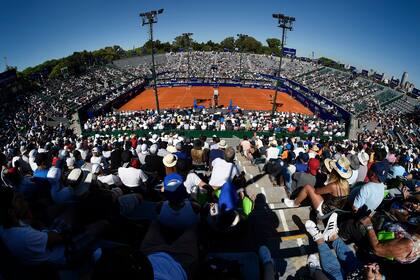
x=216, y=153
x=370, y=194
x=301, y=167
x=41, y=173
x=30, y=246
x=181, y=155
x=165, y=267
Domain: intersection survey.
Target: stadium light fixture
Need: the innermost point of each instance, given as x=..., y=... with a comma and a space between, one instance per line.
x=149, y=18
x=285, y=23
x=240, y=36
x=188, y=37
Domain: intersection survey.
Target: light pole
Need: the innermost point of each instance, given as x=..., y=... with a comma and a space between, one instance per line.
x=187, y=36
x=240, y=37
x=285, y=23
x=149, y=18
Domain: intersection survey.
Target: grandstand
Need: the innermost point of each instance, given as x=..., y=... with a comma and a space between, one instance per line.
x=96, y=183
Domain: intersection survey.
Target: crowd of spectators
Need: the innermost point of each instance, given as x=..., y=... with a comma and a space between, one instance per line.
x=189, y=119
x=163, y=206
x=342, y=88
x=212, y=66
x=366, y=193
x=55, y=100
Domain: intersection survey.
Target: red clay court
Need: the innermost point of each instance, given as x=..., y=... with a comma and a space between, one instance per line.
x=245, y=98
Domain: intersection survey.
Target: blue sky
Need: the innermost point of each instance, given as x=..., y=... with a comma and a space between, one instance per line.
x=371, y=34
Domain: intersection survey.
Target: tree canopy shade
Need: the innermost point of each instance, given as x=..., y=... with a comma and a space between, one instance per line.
x=274, y=45
x=228, y=43
x=330, y=63
x=78, y=62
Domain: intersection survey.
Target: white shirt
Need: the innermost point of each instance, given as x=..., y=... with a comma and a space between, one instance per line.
x=30, y=246
x=298, y=150
x=312, y=154
x=95, y=159
x=131, y=177
x=214, y=146
x=353, y=178
x=259, y=144
x=370, y=194
x=191, y=181
x=272, y=153
x=110, y=180
x=221, y=171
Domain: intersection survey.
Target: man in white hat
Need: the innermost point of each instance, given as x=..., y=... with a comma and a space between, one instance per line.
x=154, y=139
x=97, y=157
x=142, y=153
x=364, y=160
x=272, y=153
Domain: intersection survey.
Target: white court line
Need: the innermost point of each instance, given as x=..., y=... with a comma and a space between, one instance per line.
x=262, y=191
x=299, y=241
x=283, y=220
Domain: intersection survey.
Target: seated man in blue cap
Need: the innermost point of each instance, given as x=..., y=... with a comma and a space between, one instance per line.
x=175, y=232
x=302, y=162
x=177, y=212
x=371, y=194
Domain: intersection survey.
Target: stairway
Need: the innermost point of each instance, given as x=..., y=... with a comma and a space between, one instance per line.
x=289, y=244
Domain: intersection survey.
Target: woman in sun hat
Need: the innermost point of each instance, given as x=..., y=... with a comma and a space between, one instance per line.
x=333, y=195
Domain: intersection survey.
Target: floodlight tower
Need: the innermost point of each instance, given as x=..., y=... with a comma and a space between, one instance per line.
x=240, y=37
x=149, y=18
x=285, y=23
x=188, y=38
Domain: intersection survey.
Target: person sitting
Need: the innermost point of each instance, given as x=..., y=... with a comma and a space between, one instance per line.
x=245, y=145
x=197, y=154
x=142, y=152
x=302, y=162
x=110, y=180
x=405, y=248
x=354, y=165
x=254, y=154
x=43, y=165
x=217, y=153
x=371, y=194
x=364, y=200
x=97, y=157
x=180, y=153
x=131, y=177
x=129, y=263
x=272, y=153
x=116, y=156
x=223, y=169
x=343, y=264
x=154, y=163
x=331, y=196
x=364, y=160
x=28, y=245
x=177, y=213
x=300, y=179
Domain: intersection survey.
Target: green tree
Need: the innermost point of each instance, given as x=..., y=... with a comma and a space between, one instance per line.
x=228, y=43
x=274, y=45
x=182, y=42
x=249, y=44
